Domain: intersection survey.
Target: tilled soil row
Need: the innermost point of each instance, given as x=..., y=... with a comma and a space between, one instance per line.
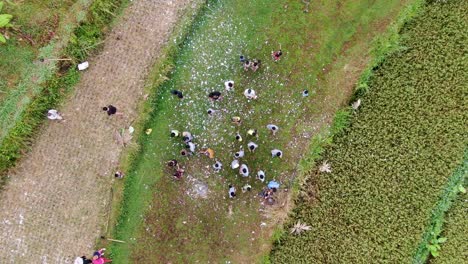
x=54, y=204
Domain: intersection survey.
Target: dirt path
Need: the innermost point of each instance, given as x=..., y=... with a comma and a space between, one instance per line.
x=52, y=208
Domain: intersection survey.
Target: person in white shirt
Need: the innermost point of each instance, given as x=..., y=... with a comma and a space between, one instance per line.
x=277, y=153
x=229, y=85
x=244, y=170
x=261, y=175
x=53, y=114
x=273, y=128
x=232, y=191
x=252, y=146
x=250, y=94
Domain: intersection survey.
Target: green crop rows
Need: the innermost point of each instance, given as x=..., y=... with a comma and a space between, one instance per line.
x=391, y=165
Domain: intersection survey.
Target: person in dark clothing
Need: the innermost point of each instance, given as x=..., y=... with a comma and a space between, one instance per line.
x=111, y=110
x=178, y=93
x=242, y=58
x=215, y=95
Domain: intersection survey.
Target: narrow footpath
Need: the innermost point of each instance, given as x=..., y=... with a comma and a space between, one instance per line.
x=53, y=206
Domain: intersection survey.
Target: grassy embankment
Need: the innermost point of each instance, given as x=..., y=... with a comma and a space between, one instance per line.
x=394, y=163
x=33, y=86
x=455, y=228
x=157, y=215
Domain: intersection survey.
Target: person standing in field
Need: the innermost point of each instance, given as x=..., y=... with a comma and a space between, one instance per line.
x=277, y=153
x=244, y=170
x=247, y=65
x=215, y=96
x=229, y=85
x=252, y=146
x=98, y=257
x=255, y=65
x=178, y=93
x=111, y=110
x=276, y=55
x=232, y=191
x=273, y=128
x=250, y=94
x=236, y=120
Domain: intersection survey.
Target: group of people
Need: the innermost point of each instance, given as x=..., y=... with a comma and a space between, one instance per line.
x=98, y=258
x=252, y=134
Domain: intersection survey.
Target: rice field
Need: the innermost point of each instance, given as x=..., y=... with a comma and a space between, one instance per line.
x=390, y=167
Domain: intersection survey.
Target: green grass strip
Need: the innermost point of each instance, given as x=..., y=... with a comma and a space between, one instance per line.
x=133, y=196
x=455, y=228
x=434, y=228
x=83, y=43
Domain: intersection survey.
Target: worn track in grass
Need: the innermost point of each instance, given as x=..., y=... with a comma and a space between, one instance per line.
x=54, y=203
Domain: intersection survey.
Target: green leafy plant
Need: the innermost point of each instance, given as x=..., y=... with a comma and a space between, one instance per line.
x=434, y=245
x=4, y=23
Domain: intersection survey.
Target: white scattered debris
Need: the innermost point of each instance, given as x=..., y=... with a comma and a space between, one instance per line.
x=83, y=66
x=299, y=228
x=356, y=104
x=325, y=167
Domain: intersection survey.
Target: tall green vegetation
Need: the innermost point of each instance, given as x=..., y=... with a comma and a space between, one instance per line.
x=394, y=163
